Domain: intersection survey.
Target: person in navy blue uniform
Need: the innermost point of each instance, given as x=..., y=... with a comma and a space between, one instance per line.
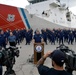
x=53, y=37
x=14, y=32
x=65, y=35
x=27, y=37
x=61, y=35
x=57, y=35
x=70, y=38
x=17, y=37
x=37, y=37
x=44, y=35
x=7, y=33
x=22, y=32
x=75, y=34
x=3, y=39
x=58, y=59
x=48, y=37
x=12, y=39
x=49, y=34
x=30, y=34
x=20, y=36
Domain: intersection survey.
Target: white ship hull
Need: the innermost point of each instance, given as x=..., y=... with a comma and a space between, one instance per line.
x=56, y=16
x=37, y=22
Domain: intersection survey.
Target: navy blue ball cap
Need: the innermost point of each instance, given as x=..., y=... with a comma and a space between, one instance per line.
x=58, y=56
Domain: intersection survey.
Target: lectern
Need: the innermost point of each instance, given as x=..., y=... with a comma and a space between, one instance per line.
x=38, y=51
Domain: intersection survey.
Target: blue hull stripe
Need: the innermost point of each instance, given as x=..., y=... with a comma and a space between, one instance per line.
x=25, y=18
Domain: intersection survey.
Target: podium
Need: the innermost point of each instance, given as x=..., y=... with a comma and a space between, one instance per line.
x=38, y=51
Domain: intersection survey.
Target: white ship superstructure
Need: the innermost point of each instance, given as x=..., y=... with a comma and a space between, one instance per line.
x=49, y=14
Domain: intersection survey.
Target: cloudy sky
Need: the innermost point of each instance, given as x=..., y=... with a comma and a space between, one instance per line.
x=18, y=3
x=23, y=3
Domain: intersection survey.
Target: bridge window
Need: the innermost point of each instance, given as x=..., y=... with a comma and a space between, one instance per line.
x=68, y=16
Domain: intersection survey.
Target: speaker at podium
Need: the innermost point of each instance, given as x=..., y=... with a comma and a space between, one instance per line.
x=38, y=51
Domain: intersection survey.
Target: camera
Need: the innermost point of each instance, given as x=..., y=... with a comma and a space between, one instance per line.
x=7, y=58
x=70, y=62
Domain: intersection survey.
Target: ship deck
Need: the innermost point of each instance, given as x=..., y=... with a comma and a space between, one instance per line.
x=23, y=67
